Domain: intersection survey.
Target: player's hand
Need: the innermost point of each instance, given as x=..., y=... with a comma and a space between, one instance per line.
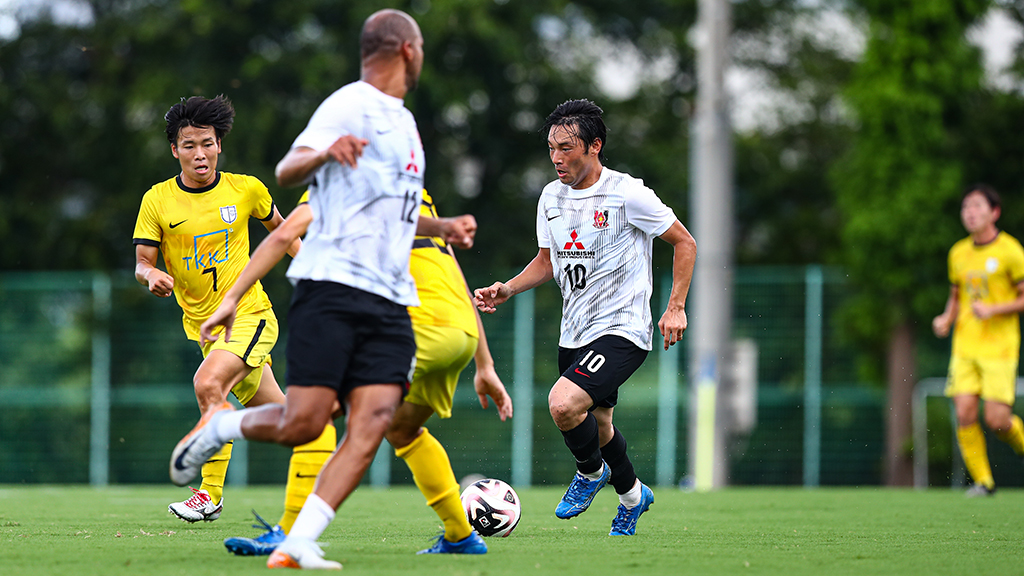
x=160, y=283
x=224, y=316
x=487, y=383
x=941, y=325
x=459, y=231
x=488, y=299
x=981, y=310
x=347, y=149
x=672, y=325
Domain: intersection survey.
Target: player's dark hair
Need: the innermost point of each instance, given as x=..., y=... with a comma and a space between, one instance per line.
x=990, y=194
x=386, y=30
x=582, y=119
x=216, y=113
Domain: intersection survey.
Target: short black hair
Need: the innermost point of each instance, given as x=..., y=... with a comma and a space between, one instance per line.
x=582, y=119
x=990, y=194
x=216, y=113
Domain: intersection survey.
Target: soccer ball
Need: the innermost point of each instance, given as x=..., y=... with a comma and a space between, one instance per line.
x=492, y=507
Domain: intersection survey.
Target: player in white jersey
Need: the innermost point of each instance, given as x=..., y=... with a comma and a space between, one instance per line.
x=595, y=229
x=350, y=338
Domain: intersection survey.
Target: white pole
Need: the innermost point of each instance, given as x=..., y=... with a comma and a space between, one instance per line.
x=522, y=391
x=99, y=410
x=711, y=214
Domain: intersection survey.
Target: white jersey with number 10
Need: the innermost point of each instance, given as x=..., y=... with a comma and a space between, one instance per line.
x=600, y=240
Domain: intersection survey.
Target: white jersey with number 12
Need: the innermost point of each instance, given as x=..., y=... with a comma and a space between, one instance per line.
x=364, y=218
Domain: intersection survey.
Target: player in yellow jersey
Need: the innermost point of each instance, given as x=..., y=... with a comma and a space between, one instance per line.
x=448, y=334
x=986, y=296
x=199, y=222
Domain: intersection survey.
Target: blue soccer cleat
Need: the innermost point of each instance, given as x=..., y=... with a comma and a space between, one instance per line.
x=472, y=544
x=624, y=523
x=262, y=545
x=581, y=493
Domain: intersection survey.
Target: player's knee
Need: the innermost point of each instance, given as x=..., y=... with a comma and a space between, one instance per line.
x=997, y=422
x=563, y=415
x=209, y=390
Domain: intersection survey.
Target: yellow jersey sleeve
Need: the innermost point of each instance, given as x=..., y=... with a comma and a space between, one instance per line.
x=262, y=203
x=147, y=226
x=444, y=297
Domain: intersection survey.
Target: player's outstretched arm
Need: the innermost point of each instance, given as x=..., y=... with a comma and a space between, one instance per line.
x=673, y=321
x=537, y=272
x=486, y=381
x=156, y=280
x=269, y=253
x=458, y=231
x=299, y=163
x=275, y=220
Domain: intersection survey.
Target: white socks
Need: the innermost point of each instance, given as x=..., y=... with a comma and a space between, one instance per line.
x=313, y=519
x=631, y=498
x=229, y=426
x=595, y=475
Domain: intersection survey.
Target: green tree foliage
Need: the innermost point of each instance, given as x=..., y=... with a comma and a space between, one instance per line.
x=914, y=96
x=81, y=131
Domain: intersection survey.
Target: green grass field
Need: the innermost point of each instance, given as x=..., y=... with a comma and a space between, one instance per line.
x=791, y=531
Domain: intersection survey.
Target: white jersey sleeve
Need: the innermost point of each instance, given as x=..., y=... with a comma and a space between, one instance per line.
x=543, y=238
x=647, y=212
x=336, y=116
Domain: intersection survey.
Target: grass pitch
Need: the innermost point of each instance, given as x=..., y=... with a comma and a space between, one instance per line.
x=70, y=530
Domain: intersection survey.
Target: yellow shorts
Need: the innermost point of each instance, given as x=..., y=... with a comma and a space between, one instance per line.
x=252, y=338
x=441, y=354
x=992, y=379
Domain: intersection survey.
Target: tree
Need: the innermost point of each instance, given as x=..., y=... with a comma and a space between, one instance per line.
x=913, y=96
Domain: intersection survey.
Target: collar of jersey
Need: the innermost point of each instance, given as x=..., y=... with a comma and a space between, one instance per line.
x=387, y=99
x=589, y=190
x=206, y=188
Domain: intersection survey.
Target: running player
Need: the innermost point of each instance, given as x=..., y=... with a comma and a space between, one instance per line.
x=199, y=222
x=448, y=333
x=595, y=229
x=986, y=297
x=350, y=338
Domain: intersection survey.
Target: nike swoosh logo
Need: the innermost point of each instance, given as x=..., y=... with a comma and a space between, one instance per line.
x=177, y=461
x=179, y=223
x=553, y=217
x=581, y=373
x=301, y=475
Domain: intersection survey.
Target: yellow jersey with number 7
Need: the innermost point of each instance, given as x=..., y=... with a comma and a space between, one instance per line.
x=203, y=235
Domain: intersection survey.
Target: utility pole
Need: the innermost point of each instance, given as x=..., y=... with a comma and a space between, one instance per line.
x=711, y=219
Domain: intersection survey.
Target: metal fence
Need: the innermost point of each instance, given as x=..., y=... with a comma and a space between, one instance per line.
x=95, y=381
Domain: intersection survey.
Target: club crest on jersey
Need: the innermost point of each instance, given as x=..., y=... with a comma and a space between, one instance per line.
x=600, y=218
x=229, y=214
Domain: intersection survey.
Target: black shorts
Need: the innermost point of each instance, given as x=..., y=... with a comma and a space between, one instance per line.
x=599, y=368
x=341, y=337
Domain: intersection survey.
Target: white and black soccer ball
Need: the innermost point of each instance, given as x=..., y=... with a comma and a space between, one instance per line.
x=492, y=507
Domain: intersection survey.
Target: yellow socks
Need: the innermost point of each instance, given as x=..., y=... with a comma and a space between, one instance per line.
x=1014, y=436
x=433, y=474
x=214, y=471
x=305, y=464
x=975, y=455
